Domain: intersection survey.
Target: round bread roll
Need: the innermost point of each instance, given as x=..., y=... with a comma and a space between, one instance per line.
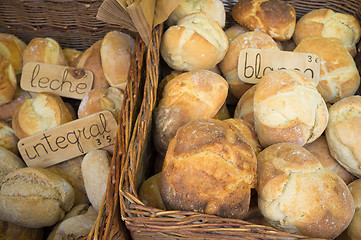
x=44, y=50
x=188, y=96
x=34, y=197
x=274, y=17
x=115, y=53
x=223, y=113
x=329, y=24
x=288, y=45
x=9, y=162
x=234, y=31
x=296, y=194
x=343, y=133
x=353, y=230
x=319, y=148
x=149, y=192
x=213, y=153
x=339, y=76
x=39, y=114
x=229, y=65
x=214, y=9
x=8, y=138
x=7, y=110
x=8, y=81
x=196, y=42
x=244, y=108
x=9, y=231
x=12, y=48
x=288, y=108
x=71, y=54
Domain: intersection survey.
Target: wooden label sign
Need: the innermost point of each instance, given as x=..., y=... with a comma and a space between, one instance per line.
x=69, y=140
x=253, y=64
x=61, y=80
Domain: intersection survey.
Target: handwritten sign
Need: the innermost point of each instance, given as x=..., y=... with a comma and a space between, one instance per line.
x=61, y=80
x=253, y=64
x=69, y=140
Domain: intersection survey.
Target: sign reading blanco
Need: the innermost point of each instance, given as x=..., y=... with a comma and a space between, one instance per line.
x=61, y=80
x=253, y=64
x=69, y=140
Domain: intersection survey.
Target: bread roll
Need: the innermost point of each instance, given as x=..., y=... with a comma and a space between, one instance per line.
x=12, y=48
x=39, y=114
x=244, y=108
x=149, y=192
x=343, y=133
x=7, y=110
x=8, y=138
x=214, y=9
x=339, y=76
x=71, y=54
x=288, y=45
x=234, y=31
x=7, y=81
x=115, y=52
x=196, y=42
x=9, y=162
x=296, y=194
x=9, y=231
x=274, y=17
x=223, y=113
x=329, y=24
x=288, y=108
x=98, y=100
x=229, y=65
x=44, y=50
x=34, y=197
x=188, y=96
x=353, y=230
x=213, y=153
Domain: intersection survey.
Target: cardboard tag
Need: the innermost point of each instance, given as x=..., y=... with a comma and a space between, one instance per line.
x=69, y=140
x=62, y=80
x=253, y=64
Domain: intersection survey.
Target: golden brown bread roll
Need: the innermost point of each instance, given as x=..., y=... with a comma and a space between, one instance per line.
x=7, y=110
x=71, y=54
x=353, y=230
x=9, y=231
x=234, y=31
x=34, y=197
x=329, y=24
x=339, y=76
x=44, y=50
x=274, y=17
x=296, y=194
x=9, y=162
x=115, y=52
x=8, y=139
x=8, y=81
x=244, y=108
x=223, y=113
x=343, y=133
x=12, y=48
x=149, y=192
x=209, y=168
x=188, y=96
x=196, y=42
x=288, y=108
x=288, y=45
x=39, y=114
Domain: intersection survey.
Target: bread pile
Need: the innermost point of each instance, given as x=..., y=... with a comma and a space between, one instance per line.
x=291, y=139
x=61, y=201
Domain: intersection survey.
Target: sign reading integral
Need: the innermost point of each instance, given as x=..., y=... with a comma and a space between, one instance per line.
x=69, y=140
x=61, y=80
x=253, y=64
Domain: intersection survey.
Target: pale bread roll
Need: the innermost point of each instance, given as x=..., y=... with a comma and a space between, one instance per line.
x=244, y=108
x=8, y=139
x=9, y=231
x=353, y=230
x=12, y=48
x=9, y=162
x=8, y=82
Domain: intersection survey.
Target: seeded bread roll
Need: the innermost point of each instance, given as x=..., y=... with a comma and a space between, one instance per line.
x=274, y=17
x=9, y=162
x=353, y=230
x=296, y=194
x=196, y=42
x=329, y=24
x=7, y=81
x=12, y=48
x=244, y=108
x=9, y=231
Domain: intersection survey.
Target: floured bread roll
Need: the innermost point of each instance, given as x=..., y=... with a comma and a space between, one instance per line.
x=9, y=231
x=39, y=114
x=9, y=162
x=12, y=48
x=343, y=133
x=353, y=230
x=8, y=138
x=339, y=76
x=209, y=168
x=214, y=9
x=274, y=17
x=288, y=108
x=196, y=42
x=329, y=24
x=296, y=194
x=188, y=96
x=8, y=81
x=244, y=108
x=234, y=31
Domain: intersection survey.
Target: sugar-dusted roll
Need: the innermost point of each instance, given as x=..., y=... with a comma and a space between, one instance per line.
x=8, y=81
x=8, y=139
x=12, y=48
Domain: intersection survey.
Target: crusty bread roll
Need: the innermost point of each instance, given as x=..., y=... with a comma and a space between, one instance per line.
x=149, y=192
x=353, y=230
x=274, y=17
x=214, y=9
x=296, y=194
x=97, y=100
x=339, y=76
x=8, y=138
x=9, y=162
x=9, y=231
x=8, y=81
x=343, y=133
x=90, y=59
x=34, y=197
x=115, y=52
x=39, y=114
x=12, y=48
x=329, y=24
x=7, y=110
x=234, y=31
x=319, y=148
x=288, y=45
x=44, y=50
x=229, y=65
x=223, y=113
x=196, y=42
x=244, y=108
x=188, y=96
x=288, y=108
x=71, y=54
x=209, y=168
